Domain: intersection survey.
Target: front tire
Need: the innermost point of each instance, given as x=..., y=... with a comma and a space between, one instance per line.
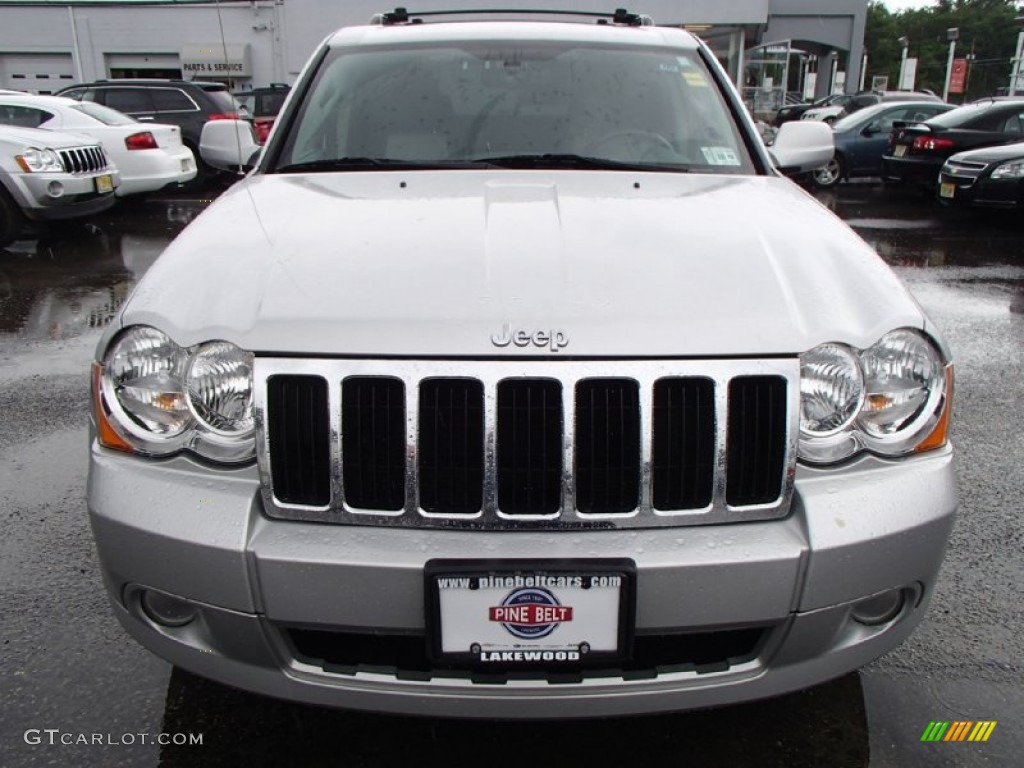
x=829, y=174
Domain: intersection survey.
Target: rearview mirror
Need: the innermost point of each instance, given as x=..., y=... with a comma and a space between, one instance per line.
x=802, y=146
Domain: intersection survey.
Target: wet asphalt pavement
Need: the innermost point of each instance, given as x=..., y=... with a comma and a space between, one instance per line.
x=65, y=663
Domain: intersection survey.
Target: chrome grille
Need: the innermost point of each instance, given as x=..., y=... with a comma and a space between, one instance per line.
x=527, y=444
x=83, y=159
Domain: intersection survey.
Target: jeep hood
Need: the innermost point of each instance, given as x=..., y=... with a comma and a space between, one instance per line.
x=437, y=263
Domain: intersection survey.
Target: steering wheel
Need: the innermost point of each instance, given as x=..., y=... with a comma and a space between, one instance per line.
x=632, y=139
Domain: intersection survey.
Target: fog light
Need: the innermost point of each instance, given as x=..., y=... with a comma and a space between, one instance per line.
x=55, y=189
x=879, y=609
x=167, y=610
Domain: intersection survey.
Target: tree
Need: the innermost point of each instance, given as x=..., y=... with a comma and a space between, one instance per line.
x=988, y=33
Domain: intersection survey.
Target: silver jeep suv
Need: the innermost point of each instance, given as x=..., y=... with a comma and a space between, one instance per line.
x=504, y=386
x=51, y=176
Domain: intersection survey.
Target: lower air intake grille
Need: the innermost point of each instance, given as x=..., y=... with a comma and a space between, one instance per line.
x=404, y=656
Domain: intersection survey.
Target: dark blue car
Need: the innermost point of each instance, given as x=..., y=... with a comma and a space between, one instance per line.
x=863, y=137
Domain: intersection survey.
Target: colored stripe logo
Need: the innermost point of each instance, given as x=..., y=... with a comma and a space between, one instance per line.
x=958, y=730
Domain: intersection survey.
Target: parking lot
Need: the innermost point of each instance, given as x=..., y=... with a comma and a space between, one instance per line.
x=65, y=664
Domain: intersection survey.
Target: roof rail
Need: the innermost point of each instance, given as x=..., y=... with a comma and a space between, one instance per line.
x=621, y=16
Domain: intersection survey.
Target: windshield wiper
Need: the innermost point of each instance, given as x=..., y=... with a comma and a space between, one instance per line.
x=577, y=162
x=378, y=164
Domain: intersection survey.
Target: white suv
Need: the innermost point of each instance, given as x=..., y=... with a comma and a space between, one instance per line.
x=50, y=176
x=506, y=386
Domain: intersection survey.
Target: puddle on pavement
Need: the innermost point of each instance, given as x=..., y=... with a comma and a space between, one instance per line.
x=69, y=283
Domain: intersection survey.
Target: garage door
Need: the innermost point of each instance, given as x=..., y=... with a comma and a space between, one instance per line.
x=36, y=72
x=143, y=65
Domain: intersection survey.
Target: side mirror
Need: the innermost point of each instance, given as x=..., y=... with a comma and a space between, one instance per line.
x=228, y=144
x=802, y=146
x=872, y=128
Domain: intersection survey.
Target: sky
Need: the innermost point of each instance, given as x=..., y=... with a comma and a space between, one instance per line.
x=902, y=5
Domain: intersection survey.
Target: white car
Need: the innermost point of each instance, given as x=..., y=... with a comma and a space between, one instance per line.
x=150, y=156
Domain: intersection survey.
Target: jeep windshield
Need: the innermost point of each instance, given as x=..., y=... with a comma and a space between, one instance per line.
x=524, y=105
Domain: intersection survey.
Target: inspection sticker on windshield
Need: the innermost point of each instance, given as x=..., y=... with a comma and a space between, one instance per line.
x=570, y=612
x=720, y=156
x=695, y=79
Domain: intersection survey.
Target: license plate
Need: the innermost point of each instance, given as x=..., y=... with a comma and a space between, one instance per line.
x=947, y=190
x=186, y=165
x=104, y=184
x=530, y=613
x=900, y=151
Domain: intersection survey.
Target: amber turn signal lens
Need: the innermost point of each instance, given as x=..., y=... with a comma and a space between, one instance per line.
x=940, y=434
x=105, y=431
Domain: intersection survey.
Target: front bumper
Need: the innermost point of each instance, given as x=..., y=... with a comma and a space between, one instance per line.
x=982, y=192
x=79, y=196
x=200, y=534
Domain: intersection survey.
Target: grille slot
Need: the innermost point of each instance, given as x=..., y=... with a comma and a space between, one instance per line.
x=530, y=429
x=299, y=434
x=757, y=430
x=373, y=442
x=683, y=443
x=451, y=446
x=607, y=446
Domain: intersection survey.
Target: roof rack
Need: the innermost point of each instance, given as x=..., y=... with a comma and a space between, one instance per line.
x=621, y=16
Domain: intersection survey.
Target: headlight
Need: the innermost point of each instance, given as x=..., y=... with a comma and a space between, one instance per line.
x=145, y=377
x=158, y=398
x=831, y=389
x=1013, y=170
x=904, y=378
x=220, y=388
x=33, y=160
x=891, y=399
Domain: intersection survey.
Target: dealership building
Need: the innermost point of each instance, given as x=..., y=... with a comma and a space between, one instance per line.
x=770, y=47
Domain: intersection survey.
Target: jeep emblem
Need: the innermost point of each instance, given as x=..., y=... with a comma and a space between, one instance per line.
x=555, y=339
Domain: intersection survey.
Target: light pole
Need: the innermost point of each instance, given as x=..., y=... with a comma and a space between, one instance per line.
x=1020, y=53
x=905, y=42
x=951, y=34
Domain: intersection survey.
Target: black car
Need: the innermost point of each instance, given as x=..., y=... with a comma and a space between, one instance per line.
x=917, y=151
x=189, y=104
x=991, y=177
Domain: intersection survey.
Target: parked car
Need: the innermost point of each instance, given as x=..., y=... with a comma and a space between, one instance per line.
x=188, y=104
x=917, y=152
x=796, y=111
x=264, y=104
x=505, y=386
x=50, y=176
x=864, y=99
x=863, y=137
x=991, y=177
x=149, y=156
